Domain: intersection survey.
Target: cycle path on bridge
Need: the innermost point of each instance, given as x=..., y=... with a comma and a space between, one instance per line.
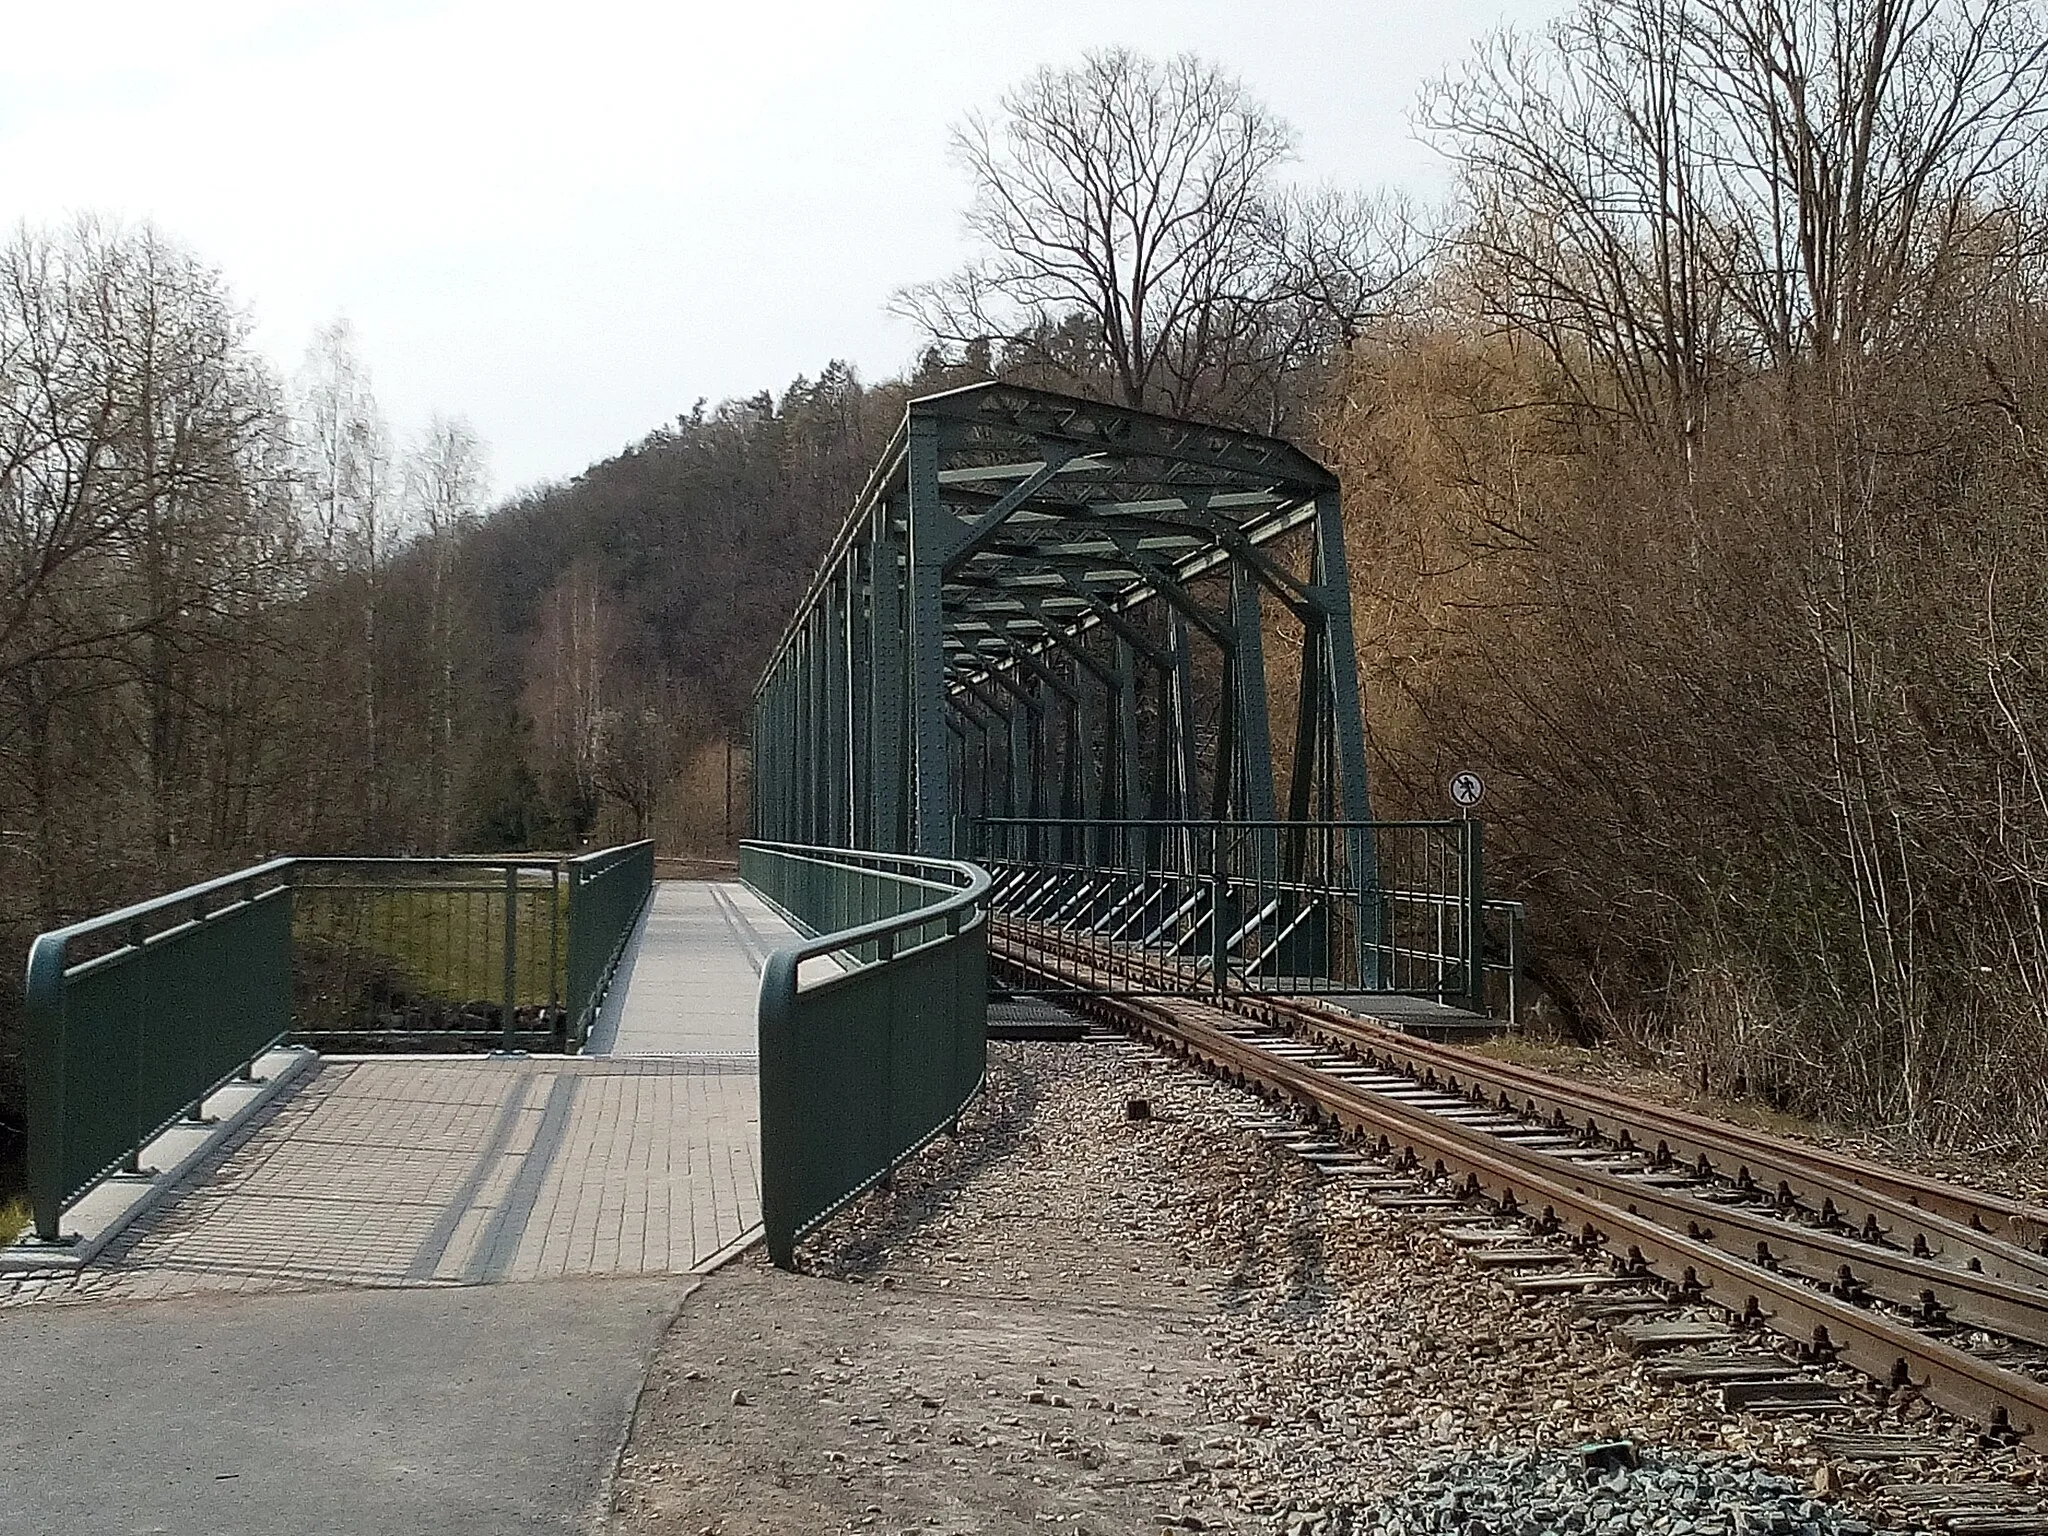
x=638, y=1157
x=302, y=1335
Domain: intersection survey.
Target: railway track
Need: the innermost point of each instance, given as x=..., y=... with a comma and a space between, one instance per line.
x=1915, y=1283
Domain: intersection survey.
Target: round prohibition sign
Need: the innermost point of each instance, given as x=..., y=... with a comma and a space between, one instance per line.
x=1466, y=789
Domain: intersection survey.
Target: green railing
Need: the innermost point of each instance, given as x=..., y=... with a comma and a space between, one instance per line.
x=1286, y=908
x=134, y=1018
x=608, y=890
x=873, y=1033
x=462, y=953
x=431, y=954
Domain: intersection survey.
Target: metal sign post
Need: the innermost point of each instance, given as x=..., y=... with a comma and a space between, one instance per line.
x=1466, y=789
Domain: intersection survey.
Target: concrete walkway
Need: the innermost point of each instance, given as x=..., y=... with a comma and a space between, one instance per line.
x=639, y=1158
x=310, y=1340
x=688, y=986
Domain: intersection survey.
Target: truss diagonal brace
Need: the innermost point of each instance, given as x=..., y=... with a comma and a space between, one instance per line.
x=989, y=524
x=1124, y=630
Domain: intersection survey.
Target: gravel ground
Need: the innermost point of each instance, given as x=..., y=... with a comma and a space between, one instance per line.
x=1073, y=1319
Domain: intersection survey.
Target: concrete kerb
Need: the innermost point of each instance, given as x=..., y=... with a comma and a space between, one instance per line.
x=604, y=1503
x=730, y=1251
x=108, y=1210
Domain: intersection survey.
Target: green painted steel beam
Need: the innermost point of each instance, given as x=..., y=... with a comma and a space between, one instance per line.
x=1046, y=548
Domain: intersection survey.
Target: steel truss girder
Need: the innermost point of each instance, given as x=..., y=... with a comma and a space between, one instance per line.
x=1037, y=566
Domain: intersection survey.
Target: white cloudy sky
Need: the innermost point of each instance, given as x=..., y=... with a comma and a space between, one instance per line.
x=570, y=221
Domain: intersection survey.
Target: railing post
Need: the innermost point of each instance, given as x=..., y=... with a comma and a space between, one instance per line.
x=1443, y=959
x=511, y=953
x=134, y=939
x=44, y=1060
x=247, y=1071
x=1219, y=943
x=1515, y=967
x=554, y=934
x=1475, y=916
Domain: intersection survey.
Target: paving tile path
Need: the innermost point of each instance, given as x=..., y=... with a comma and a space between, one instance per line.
x=302, y=1338
x=639, y=1158
x=688, y=988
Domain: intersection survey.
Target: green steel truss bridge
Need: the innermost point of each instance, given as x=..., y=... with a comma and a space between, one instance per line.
x=1070, y=707
x=1101, y=663
x=1109, y=656
x=1046, y=607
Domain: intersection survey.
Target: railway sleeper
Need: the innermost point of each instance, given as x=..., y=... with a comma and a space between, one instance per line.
x=1946, y=1375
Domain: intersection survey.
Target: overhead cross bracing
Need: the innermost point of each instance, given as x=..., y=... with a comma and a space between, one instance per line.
x=1046, y=606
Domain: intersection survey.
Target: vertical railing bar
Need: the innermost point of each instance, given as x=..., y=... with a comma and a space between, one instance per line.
x=511, y=1005
x=1475, y=916
x=554, y=934
x=137, y=939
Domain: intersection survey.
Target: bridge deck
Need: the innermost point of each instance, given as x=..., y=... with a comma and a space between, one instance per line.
x=639, y=1157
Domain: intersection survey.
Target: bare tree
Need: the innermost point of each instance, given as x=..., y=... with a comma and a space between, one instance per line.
x=1659, y=189
x=569, y=685
x=203, y=412
x=345, y=452
x=446, y=482
x=1585, y=178
x=137, y=533
x=1709, y=485
x=1858, y=145
x=640, y=742
x=345, y=465
x=1141, y=202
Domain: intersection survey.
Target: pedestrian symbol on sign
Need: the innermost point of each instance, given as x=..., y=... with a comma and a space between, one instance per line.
x=1466, y=790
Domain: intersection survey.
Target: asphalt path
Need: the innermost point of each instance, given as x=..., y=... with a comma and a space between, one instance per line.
x=496, y=1410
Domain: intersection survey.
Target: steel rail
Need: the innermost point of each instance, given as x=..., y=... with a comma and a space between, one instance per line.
x=1806, y=1178
x=1847, y=1266
x=1983, y=1225
x=1853, y=1268
x=1971, y=1229
x=1823, y=1327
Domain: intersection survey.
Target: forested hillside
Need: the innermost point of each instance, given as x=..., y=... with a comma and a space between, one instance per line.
x=621, y=619
x=1694, y=483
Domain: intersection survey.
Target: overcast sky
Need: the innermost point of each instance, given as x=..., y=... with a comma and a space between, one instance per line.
x=570, y=221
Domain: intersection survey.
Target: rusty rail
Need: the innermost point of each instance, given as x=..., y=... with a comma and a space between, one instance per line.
x=1807, y=1283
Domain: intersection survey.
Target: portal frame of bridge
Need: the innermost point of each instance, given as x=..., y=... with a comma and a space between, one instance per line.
x=1047, y=606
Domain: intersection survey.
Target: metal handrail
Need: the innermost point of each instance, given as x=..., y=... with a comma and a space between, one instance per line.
x=971, y=892
x=73, y=1148
x=1314, y=906
x=862, y=1068
x=48, y=949
x=597, y=940
x=1209, y=824
x=193, y=989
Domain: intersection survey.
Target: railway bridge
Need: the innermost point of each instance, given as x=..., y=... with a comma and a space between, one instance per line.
x=1067, y=724
x=1074, y=676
